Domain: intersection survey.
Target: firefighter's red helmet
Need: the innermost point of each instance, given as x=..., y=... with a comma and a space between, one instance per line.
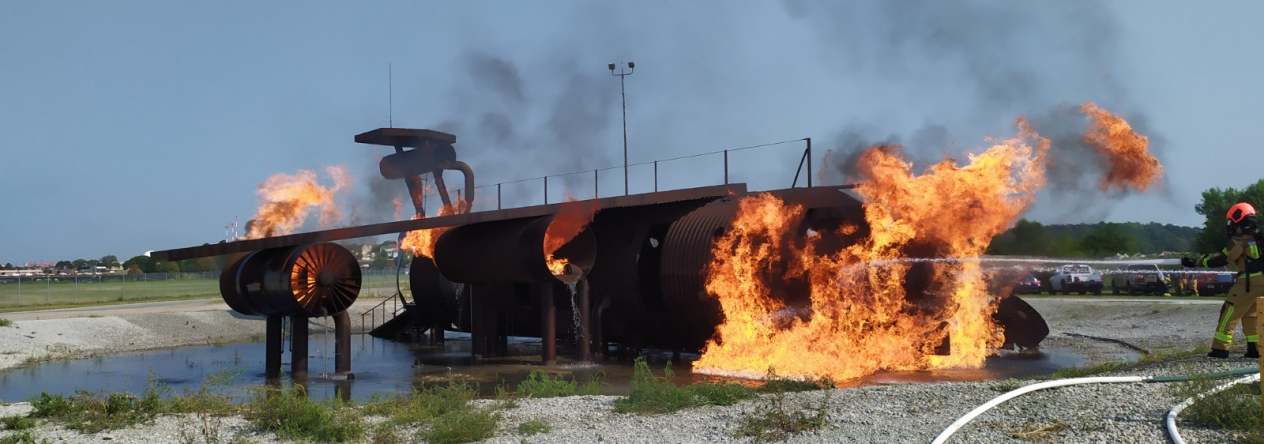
x=1239, y=212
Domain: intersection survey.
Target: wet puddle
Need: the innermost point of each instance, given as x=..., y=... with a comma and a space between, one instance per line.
x=389, y=367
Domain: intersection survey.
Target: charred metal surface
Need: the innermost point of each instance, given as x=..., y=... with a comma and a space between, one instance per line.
x=624, y=280
x=416, y=161
x=310, y=280
x=246, y=246
x=507, y=251
x=1024, y=326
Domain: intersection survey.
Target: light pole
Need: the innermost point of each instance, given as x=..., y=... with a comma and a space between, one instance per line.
x=623, y=94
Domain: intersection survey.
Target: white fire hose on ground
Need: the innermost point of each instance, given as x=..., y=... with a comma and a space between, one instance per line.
x=1171, y=417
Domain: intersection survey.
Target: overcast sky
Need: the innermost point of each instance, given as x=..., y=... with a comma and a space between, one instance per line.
x=134, y=126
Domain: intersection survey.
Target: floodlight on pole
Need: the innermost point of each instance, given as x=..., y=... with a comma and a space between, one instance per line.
x=623, y=94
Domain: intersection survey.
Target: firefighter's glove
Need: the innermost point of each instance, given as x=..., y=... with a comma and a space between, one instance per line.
x=1189, y=262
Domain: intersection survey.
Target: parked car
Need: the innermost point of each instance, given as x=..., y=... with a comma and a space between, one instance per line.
x=1211, y=284
x=1027, y=285
x=1139, y=279
x=1079, y=278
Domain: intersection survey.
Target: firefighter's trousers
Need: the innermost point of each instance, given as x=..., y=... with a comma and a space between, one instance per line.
x=1239, y=306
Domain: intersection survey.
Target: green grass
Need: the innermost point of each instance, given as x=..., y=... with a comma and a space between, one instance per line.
x=1158, y=355
x=1236, y=408
x=465, y=425
x=94, y=412
x=114, y=289
x=533, y=427
x=543, y=385
x=290, y=414
x=5, y=322
x=654, y=395
x=444, y=413
x=23, y=437
x=651, y=394
x=425, y=404
x=17, y=423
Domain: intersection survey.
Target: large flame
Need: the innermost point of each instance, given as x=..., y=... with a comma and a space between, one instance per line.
x=924, y=231
x=571, y=219
x=860, y=319
x=1131, y=163
x=285, y=201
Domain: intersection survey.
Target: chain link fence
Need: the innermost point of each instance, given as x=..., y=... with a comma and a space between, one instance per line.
x=61, y=290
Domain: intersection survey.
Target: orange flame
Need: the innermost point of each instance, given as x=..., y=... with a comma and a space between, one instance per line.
x=572, y=217
x=861, y=320
x=422, y=242
x=1131, y=163
x=285, y=201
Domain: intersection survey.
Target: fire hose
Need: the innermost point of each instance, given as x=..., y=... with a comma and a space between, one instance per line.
x=1253, y=373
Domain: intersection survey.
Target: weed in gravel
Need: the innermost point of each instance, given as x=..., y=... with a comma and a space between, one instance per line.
x=426, y=403
x=17, y=423
x=386, y=433
x=1008, y=385
x=773, y=422
x=23, y=437
x=543, y=385
x=651, y=394
x=721, y=394
x=290, y=414
x=5, y=322
x=1237, y=408
x=465, y=425
x=93, y=412
x=443, y=412
x=774, y=383
x=1079, y=372
x=534, y=426
x=1048, y=433
x=208, y=409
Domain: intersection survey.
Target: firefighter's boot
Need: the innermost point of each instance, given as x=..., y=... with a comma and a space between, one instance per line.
x=1217, y=353
x=1251, y=351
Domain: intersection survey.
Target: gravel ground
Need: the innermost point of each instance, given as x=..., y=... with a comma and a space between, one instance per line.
x=1097, y=413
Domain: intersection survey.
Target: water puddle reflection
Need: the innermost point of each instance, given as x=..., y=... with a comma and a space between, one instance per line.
x=389, y=367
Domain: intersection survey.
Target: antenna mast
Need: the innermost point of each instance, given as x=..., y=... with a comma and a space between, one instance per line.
x=390, y=97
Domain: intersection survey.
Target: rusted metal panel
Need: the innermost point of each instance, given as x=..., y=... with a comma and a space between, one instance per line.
x=243, y=246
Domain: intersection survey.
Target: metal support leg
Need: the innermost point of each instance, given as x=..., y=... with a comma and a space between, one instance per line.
x=548, y=326
x=272, y=350
x=585, y=327
x=436, y=334
x=342, y=346
x=298, y=347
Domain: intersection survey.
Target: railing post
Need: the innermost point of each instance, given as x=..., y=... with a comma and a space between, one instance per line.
x=546, y=190
x=655, y=176
x=809, y=139
x=595, y=189
x=726, y=167
x=497, y=196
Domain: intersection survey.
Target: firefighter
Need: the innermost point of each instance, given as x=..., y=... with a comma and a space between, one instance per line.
x=1242, y=253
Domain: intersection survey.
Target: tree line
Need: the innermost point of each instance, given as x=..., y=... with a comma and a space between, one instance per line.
x=1101, y=239
x=1029, y=238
